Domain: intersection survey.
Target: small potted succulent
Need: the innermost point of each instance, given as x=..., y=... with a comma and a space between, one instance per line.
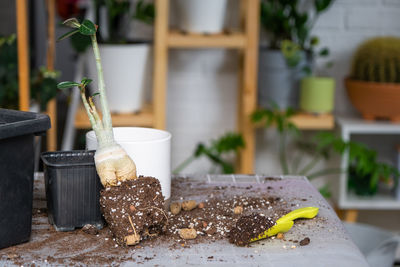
x=125, y=195
x=374, y=83
x=286, y=26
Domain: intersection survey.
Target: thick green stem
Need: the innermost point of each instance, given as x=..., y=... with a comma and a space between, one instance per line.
x=183, y=165
x=107, y=124
x=296, y=162
x=324, y=173
x=282, y=154
x=309, y=166
x=93, y=118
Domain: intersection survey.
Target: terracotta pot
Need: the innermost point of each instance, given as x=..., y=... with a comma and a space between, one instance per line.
x=375, y=100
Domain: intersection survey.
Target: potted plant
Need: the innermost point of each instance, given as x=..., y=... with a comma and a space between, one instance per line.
x=317, y=89
x=374, y=83
x=205, y=16
x=17, y=131
x=278, y=78
x=126, y=195
x=365, y=172
x=127, y=59
x=363, y=169
x=43, y=83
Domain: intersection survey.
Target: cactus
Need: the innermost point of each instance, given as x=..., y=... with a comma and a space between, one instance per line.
x=378, y=60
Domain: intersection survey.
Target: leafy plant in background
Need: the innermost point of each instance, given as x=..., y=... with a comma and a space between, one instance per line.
x=119, y=15
x=288, y=24
x=216, y=152
x=43, y=83
x=363, y=168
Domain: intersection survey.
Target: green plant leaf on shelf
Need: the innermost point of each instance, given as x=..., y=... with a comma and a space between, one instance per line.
x=324, y=52
x=66, y=85
x=321, y=5
x=87, y=28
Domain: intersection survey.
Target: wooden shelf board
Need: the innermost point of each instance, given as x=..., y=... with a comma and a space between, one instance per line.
x=143, y=118
x=306, y=121
x=194, y=40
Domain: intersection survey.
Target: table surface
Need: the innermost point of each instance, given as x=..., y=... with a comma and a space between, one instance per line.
x=330, y=244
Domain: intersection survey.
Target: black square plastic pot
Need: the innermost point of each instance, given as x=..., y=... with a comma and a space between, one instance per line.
x=17, y=131
x=72, y=189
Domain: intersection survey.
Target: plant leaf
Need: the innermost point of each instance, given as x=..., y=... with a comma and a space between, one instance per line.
x=66, y=85
x=87, y=28
x=85, y=81
x=95, y=94
x=72, y=22
x=68, y=34
x=324, y=52
x=321, y=5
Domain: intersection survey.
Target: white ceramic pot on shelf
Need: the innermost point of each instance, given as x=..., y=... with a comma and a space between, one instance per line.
x=149, y=148
x=201, y=16
x=127, y=74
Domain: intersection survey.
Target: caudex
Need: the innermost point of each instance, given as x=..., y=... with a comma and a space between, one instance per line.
x=112, y=162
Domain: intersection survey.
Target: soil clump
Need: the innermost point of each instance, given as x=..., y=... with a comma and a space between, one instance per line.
x=134, y=210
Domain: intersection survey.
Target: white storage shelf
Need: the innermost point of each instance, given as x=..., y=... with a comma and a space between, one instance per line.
x=348, y=200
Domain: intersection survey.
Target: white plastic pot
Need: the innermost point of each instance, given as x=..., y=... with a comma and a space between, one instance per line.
x=149, y=148
x=201, y=16
x=127, y=74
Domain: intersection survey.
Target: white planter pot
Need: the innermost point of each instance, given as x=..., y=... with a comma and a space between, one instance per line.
x=201, y=16
x=149, y=148
x=127, y=75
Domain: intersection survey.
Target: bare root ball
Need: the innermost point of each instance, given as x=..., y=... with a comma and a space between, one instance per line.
x=188, y=233
x=134, y=210
x=189, y=205
x=114, y=166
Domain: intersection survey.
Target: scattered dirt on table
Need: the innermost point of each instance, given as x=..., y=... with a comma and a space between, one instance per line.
x=305, y=241
x=134, y=209
x=249, y=227
x=212, y=222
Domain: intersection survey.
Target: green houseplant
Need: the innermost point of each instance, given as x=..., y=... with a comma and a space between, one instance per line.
x=286, y=21
x=374, y=83
x=43, y=82
x=127, y=58
x=217, y=152
x=317, y=89
x=363, y=169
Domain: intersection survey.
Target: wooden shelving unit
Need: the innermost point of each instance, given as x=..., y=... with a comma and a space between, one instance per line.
x=23, y=63
x=305, y=121
x=246, y=41
x=178, y=39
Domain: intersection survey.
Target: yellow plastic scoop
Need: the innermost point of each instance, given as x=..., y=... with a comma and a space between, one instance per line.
x=284, y=223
